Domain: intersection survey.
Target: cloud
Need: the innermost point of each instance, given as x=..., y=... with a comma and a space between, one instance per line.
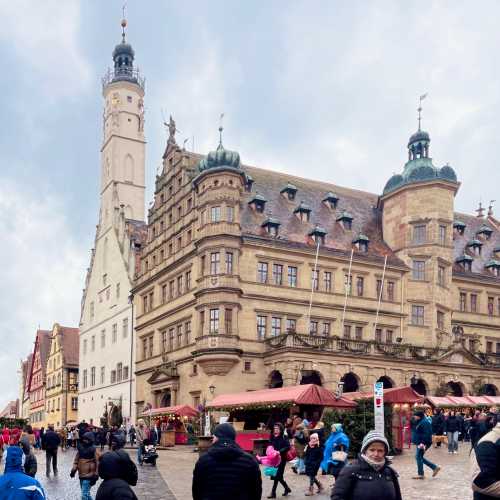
x=42, y=276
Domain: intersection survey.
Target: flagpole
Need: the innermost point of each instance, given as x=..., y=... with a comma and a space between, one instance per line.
x=312, y=288
x=348, y=285
x=380, y=297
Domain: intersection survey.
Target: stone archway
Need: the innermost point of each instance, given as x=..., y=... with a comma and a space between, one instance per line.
x=311, y=377
x=275, y=379
x=420, y=386
x=489, y=390
x=388, y=382
x=351, y=382
x=456, y=389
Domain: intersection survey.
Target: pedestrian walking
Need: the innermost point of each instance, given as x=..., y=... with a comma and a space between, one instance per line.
x=86, y=463
x=370, y=477
x=421, y=437
x=312, y=458
x=101, y=436
x=300, y=442
x=225, y=471
x=76, y=436
x=118, y=473
x=279, y=442
x=30, y=462
x=131, y=435
x=64, y=438
x=15, y=484
x=485, y=466
x=50, y=444
x=437, y=428
x=141, y=435
x=452, y=429
x=335, y=452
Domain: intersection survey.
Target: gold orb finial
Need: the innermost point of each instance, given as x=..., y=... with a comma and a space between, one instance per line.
x=124, y=23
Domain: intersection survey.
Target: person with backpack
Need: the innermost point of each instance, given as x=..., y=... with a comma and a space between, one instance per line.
x=421, y=437
x=86, y=463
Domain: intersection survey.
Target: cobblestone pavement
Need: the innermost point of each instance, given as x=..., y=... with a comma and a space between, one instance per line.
x=150, y=485
x=176, y=466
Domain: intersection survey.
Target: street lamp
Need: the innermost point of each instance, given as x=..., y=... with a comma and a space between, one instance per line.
x=211, y=388
x=414, y=379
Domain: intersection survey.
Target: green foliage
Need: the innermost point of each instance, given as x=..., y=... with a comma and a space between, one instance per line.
x=358, y=421
x=12, y=422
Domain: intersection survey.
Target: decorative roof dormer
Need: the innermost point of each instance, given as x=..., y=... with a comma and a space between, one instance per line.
x=485, y=232
x=459, y=227
x=345, y=218
x=361, y=242
x=493, y=266
x=271, y=226
x=289, y=191
x=303, y=211
x=318, y=234
x=331, y=200
x=475, y=246
x=258, y=203
x=465, y=261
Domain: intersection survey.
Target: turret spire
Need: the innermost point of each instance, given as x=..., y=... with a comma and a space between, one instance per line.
x=221, y=128
x=419, y=109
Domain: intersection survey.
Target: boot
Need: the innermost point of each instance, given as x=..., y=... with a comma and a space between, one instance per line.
x=320, y=487
x=309, y=492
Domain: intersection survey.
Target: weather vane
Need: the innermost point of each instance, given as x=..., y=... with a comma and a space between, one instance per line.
x=124, y=21
x=422, y=97
x=221, y=128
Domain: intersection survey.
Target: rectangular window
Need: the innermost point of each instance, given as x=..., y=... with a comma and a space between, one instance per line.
x=187, y=332
x=119, y=372
x=179, y=284
x=151, y=296
x=214, y=321
x=230, y=214
x=498, y=348
x=164, y=293
x=313, y=328
x=170, y=249
x=74, y=404
x=419, y=234
x=442, y=235
x=441, y=276
x=92, y=376
x=228, y=321
x=114, y=333
x=291, y=325
x=418, y=272
x=113, y=376
x=118, y=290
x=327, y=280
x=214, y=263
x=315, y=279
x=347, y=331
x=188, y=280
x=388, y=336
x=417, y=315
x=92, y=343
x=440, y=320
x=262, y=268
x=179, y=243
x=489, y=347
x=189, y=203
x=277, y=274
x=85, y=346
x=103, y=374
x=378, y=335
x=360, y=286
x=473, y=302
x=144, y=348
x=125, y=328
x=203, y=265
x=379, y=289
x=202, y=322
x=275, y=326
x=358, y=333
x=261, y=327
x=463, y=301
x=179, y=335
x=292, y=276
x=326, y=328
x=491, y=306
x=85, y=379
x=150, y=346
x=103, y=338
x=164, y=338
x=248, y=366
x=125, y=373
x=171, y=289
x=390, y=291
x=229, y=263
x=348, y=284
x=92, y=311
x=215, y=214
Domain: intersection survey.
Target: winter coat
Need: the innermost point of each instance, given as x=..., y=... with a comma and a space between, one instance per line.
x=337, y=441
x=51, y=441
x=15, y=484
x=86, y=467
x=485, y=466
x=226, y=472
x=140, y=434
x=452, y=424
x=30, y=463
x=312, y=459
x=118, y=472
x=360, y=481
x=438, y=424
x=421, y=432
x=300, y=441
x=280, y=443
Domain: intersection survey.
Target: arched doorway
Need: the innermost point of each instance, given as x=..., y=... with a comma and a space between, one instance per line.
x=420, y=386
x=488, y=390
x=351, y=383
x=166, y=399
x=455, y=389
x=388, y=383
x=275, y=380
x=310, y=377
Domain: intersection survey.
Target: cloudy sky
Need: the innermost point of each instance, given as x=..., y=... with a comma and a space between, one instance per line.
x=322, y=89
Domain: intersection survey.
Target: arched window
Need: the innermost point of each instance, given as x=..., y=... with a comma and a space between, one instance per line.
x=275, y=380
x=388, y=383
x=351, y=383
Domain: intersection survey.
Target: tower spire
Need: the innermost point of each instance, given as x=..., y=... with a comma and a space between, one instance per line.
x=419, y=109
x=221, y=128
x=124, y=21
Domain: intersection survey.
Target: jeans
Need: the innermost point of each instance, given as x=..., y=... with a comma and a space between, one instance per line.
x=51, y=456
x=278, y=478
x=301, y=466
x=421, y=461
x=85, y=486
x=313, y=481
x=453, y=441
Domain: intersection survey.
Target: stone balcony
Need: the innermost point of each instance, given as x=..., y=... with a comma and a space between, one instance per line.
x=217, y=354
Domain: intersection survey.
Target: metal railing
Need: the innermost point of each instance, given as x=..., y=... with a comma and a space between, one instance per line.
x=120, y=74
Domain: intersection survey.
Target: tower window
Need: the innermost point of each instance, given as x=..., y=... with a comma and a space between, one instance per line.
x=129, y=98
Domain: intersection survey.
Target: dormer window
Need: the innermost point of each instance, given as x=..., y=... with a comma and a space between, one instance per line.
x=303, y=212
x=248, y=182
x=466, y=262
x=361, y=242
x=496, y=252
x=459, y=227
x=345, y=218
x=258, y=203
x=494, y=267
x=271, y=226
x=475, y=247
x=289, y=192
x=318, y=235
x=485, y=232
x=331, y=200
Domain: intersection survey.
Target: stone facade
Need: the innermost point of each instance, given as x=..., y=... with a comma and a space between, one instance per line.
x=251, y=278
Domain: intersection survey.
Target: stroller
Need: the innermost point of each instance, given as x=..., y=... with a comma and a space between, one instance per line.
x=149, y=455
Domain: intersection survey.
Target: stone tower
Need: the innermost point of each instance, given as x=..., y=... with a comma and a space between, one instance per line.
x=417, y=220
x=123, y=147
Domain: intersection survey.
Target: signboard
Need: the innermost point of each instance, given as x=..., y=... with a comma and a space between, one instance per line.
x=207, y=424
x=378, y=406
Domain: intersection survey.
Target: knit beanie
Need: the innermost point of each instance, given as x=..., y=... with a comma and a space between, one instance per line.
x=374, y=437
x=225, y=431
x=419, y=413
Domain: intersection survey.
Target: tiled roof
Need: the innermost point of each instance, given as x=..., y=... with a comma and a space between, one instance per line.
x=44, y=346
x=70, y=345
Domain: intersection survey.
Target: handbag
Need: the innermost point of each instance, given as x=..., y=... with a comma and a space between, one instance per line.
x=339, y=456
x=270, y=471
x=291, y=454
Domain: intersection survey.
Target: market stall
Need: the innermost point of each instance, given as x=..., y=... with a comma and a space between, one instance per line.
x=463, y=402
x=174, y=422
x=253, y=413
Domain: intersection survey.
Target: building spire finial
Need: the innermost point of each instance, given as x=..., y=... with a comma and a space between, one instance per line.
x=419, y=109
x=221, y=128
x=124, y=21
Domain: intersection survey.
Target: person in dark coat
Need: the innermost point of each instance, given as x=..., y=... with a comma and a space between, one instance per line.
x=452, y=429
x=312, y=458
x=421, y=437
x=280, y=443
x=225, y=471
x=118, y=473
x=30, y=463
x=370, y=477
x=50, y=443
x=437, y=427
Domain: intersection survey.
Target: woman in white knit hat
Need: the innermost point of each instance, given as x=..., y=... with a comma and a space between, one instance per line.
x=370, y=477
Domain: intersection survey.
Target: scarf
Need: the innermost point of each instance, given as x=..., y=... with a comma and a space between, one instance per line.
x=378, y=466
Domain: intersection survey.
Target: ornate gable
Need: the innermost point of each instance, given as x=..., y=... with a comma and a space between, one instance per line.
x=459, y=355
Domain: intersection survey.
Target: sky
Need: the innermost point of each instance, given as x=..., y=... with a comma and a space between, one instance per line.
x=321, y=89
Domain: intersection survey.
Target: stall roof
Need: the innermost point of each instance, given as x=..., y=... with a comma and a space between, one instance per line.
x=449, y=401
x=180, y=410
x=307, y=394
x=398, y=395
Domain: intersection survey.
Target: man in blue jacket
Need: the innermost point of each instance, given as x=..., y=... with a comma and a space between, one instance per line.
x=15, y=484
x=421, y=437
